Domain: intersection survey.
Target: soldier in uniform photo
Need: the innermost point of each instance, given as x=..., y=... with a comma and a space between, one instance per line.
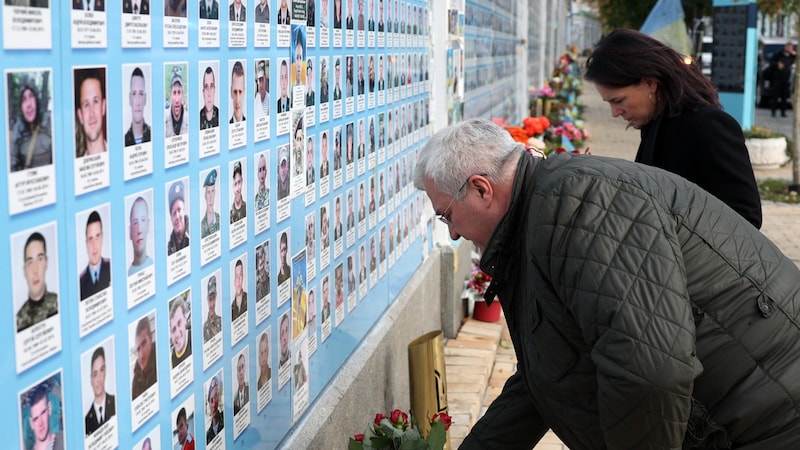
x=41, y=304
x=262, y=12
x=103, y=405
x=179, y=238
x=284, y=102
x=264, y=370
x=237, y=92
x=239, y=300
x=42, y=415
x=216, y=413
x=239, y=206
x=261, y=106
x=209, y=114
x=262, y=195
x=209, y=9
x=213, y=324
x=262, y=271
x=97, y=274
x=139, y=131
x=31, y=140
x=136, y=7
x=210, y=223
x=284, y=340
x=176, y=123
x=285, y=272
x=242, y=396
x=283, y=174
x=144, y=371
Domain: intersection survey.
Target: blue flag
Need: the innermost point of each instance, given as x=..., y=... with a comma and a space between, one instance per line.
x=665, y=23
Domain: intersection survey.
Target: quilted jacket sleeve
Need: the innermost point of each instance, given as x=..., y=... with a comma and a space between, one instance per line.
x=510, y=423
x=610, y=251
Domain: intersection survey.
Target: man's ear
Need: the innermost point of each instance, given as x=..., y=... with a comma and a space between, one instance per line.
x=482, y=186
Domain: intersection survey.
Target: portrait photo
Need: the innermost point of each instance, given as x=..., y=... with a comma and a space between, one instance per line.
x=29, y=113
x=90, y=111
x=93, y=242
x=214, y=392
x=209, y=94
x=139, y=210
x=99, y=386
x=41, y=411
x=137, y=118
x=175, y=82
x=142, y=354
x=183, y=425
x=35, y=275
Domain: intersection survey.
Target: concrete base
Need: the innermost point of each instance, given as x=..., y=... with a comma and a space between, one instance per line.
x=375, y=378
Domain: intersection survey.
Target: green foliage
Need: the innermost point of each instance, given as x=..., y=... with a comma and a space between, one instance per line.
x=777, y=191
x=633, y=13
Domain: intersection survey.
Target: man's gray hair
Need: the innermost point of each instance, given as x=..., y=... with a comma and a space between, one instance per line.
x=459, y=151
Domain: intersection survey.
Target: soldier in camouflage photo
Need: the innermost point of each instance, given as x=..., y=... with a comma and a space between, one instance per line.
x=213, y=324
x=41, y=303
x=210, y=223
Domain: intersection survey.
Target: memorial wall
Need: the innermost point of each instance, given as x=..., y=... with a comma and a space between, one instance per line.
x=207, y=208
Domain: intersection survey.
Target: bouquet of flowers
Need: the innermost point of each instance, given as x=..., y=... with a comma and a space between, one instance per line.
x=479, y=280
x=399, y=431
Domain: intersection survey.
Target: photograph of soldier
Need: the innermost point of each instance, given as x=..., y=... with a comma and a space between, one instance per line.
x=262, y=194
x=139, y=131
x=242, y=387
x=209, y=114
x=213, y=323
x=337, y=79
x=136, y=7
x=284, y=102
x=284, y=340
x=238, y=104
x=264, y=369
x=284, y=16
x=176, y=122
x=41, y=411
x=89, y=5
x=261, y=106
x=216, y=415
x=103, y=404
x=239, y=206
x=40, y=303
x=30, y=134
x=239, y=300
x=179, y=330
x=174, y=8
x=262, y=271
x=209, y=9
x=96, y=276
x=237, y=12
x=138, y=229
x=210, y=223
x=90, y=111
x=283, y=173
x=284, y=271
x=184, y=439
x=324, y=88
x=262, y=11
x=324, y=164
x=145, y=372
x=179, y=217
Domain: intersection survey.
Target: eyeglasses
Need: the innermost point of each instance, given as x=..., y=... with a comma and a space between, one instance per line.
x=443, y=216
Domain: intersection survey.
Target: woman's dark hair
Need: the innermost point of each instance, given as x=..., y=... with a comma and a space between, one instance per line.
x=626, y=57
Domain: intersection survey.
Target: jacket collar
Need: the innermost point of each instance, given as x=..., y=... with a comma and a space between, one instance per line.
x=500, y=248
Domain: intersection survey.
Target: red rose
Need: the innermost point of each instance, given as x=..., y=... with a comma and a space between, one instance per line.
x=444, y=418
x=399, y=419
x=359, y=438
x=378, y=418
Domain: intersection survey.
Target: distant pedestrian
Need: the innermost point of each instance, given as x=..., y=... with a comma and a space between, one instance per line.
x=780, y=71
x=684, y=130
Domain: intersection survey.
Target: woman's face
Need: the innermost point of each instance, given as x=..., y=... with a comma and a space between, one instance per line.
x=635, y=103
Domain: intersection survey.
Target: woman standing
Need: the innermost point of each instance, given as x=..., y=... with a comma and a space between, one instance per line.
x=684, y=129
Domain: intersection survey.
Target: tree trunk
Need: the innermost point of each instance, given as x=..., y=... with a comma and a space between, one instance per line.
x=795, y=145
